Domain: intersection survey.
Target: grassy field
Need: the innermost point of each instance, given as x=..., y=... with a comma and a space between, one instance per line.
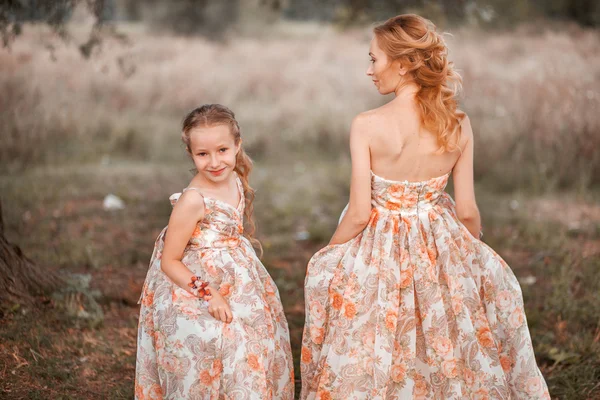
x=551, y=242
x=532, y=97
x=74, y=131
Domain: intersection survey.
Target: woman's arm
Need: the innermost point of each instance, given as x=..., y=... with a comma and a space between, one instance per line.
x=359, y=207
x=464, y=190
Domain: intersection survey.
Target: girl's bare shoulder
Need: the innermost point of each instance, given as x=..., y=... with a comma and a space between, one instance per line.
x=190, y=201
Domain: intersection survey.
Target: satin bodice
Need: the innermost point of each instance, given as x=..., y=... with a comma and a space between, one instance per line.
x=222, y=225
x=406, y=196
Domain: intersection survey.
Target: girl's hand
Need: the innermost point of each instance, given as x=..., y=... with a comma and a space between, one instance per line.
x=218, y=307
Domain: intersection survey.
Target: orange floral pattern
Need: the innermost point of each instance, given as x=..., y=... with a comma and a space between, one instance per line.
x=414, y=307
x=185, y=353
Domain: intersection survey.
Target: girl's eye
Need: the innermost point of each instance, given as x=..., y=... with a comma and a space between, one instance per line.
x=372, y=60
x=201, y=154
x=223, y=150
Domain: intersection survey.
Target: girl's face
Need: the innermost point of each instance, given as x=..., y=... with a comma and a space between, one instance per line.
x=214, y=151
x=386, y=74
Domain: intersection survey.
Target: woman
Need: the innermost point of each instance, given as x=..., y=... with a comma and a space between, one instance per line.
x=405, y=301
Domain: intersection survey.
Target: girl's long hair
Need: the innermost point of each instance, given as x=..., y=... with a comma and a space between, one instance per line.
x=413, y=41
x=217, y=114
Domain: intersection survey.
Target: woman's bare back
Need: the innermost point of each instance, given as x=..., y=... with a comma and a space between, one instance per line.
x=401, y=149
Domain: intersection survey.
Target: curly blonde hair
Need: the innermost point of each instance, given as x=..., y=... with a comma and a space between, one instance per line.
x=413, y=41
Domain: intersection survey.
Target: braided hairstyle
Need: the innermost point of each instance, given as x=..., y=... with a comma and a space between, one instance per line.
x=413, y=41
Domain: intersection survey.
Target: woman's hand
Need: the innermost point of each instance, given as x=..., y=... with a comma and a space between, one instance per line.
x=218, y=307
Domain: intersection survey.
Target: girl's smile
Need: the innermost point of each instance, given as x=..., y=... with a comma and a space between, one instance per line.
x=218, y=172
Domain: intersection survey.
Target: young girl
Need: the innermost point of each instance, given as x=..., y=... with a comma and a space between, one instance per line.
x=406, y=302
x=211, y=322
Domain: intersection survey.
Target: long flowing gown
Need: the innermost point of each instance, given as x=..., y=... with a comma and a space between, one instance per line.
x=415, y=307
x=185, y=353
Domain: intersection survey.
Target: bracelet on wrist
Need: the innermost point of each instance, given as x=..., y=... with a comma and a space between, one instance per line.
x=200, y=288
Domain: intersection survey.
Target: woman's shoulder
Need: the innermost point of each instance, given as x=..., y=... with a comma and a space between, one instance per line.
x=463, y=118
x=466, y=132
x=378, y=112
x=368, y=120
x=385, y=112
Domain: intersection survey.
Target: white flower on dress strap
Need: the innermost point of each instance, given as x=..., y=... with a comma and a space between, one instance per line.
x=174, y=197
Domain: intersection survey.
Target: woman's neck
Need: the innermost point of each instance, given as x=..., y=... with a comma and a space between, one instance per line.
x=406, y=90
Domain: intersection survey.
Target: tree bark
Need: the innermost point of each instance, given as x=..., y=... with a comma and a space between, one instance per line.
x=21, y=280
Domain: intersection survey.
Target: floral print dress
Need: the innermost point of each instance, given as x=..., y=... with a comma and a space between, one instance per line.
x=185, y=353
x=415, y=307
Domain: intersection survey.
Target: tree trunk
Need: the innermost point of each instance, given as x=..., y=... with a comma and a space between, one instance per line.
x=21, y=280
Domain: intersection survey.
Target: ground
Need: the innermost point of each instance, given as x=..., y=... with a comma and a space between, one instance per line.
x=56, y=215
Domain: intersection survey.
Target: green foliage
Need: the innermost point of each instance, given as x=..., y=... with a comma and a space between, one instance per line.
x=493, y=13
x=192, y=17
x=55, y=14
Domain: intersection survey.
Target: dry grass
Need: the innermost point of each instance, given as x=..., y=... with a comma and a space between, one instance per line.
x=534, y=100
x=532, y=96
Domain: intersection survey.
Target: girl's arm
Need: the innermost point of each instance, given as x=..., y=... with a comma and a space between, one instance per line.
x=464, y=190
x=359, y=207
x=188, y=210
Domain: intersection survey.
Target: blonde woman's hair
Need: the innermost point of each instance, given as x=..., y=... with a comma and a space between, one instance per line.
x=413, y=41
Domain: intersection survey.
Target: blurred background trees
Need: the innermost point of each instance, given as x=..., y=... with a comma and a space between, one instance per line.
x=213, y=18
x=188, y=13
